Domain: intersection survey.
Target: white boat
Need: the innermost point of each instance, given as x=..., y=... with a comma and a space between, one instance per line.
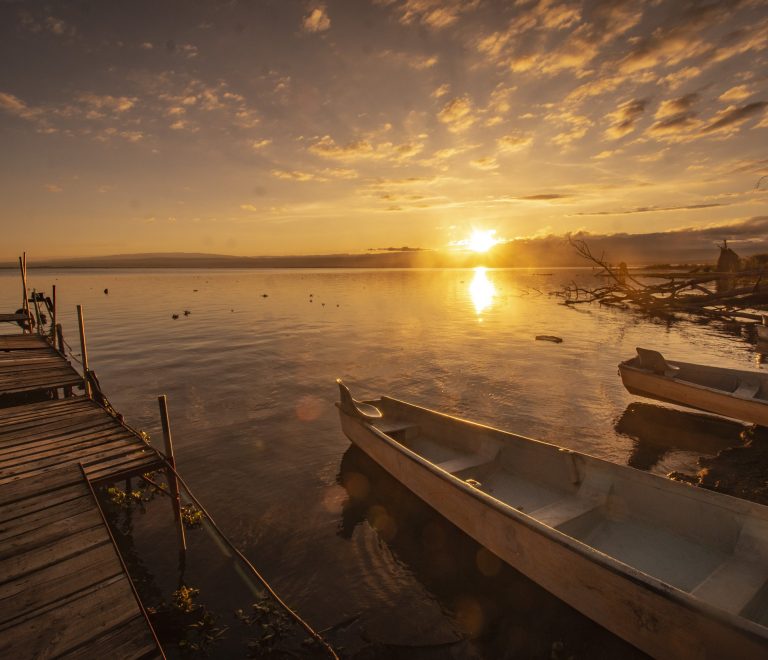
x=734, y=393
x=678, y=571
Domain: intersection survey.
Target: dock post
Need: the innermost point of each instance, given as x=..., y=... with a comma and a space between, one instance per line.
x=84, y=352
x=53, y=319
x=25, y=301
x=173, y=483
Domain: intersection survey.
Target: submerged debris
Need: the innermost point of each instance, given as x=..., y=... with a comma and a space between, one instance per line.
x=552, y=338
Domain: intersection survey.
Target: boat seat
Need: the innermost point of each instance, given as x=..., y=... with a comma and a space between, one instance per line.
x=394, y=426
x=562, y=511
x=655, y=362
x=733, y=584
x=462, y=463
x=747, y=389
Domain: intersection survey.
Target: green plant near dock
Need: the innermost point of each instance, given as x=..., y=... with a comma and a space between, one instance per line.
x=191, y=516
x=268, y=621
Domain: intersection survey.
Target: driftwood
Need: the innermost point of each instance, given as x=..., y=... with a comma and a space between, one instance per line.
x=716, y=294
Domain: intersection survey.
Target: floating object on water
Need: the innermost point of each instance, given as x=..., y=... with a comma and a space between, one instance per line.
x=666, y=566
x=265, y=295
x=733, y=393
x=552, y=338
x=174, y=316
x=187, y=312
x=194, y=290
x=106, y=291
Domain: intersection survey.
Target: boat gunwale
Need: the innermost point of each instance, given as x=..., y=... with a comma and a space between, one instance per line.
x=616, y=566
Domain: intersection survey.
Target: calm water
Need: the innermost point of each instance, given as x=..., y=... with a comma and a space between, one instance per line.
x=250, y=380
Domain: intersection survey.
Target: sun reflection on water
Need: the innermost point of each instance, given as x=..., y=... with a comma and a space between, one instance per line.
x=481, y=290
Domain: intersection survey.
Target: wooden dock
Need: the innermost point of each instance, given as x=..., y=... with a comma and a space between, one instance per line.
x=64, y=590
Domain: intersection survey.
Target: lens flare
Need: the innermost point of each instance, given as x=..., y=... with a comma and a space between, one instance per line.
x=482, y=240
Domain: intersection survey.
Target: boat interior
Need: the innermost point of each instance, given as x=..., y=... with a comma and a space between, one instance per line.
x=710, y=546
x=743, y=384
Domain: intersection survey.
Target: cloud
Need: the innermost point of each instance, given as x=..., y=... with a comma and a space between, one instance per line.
x=441, y=91
x=53, y=188
x=625, y=118
x=457, y=114
x=317, y=20
x=296, y=175
x=542, y=197
x=733, y=117
x=486, y=163
x=257, y=145
x=15, y=106
x=433, y=14
x=411, y=60
x=678, y=106
x=738, y=93
x=364, y=149
x=514, y=142
x=652, y=209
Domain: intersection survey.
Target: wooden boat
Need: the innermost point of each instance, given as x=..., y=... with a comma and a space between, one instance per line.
x=679, y=572
x=729, y=392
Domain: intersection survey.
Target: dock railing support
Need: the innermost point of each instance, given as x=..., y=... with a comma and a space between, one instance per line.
x=173, y=483
x=84, y=352
x=54, y=326
x=25, y=301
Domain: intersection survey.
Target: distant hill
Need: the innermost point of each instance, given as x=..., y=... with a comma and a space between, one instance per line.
x=684, y=246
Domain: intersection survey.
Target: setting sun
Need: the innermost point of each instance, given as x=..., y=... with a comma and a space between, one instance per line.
x=482, y=241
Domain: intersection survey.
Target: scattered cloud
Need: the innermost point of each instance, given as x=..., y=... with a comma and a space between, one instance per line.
x=732, y=117
x=651, y=209
x=457, y=114
x=625, y=118
x=364, y=149
x=433, y=14
x=257, y=145
x=317, y=20
x=738, y=93
x=53, y=188
x=514, y=142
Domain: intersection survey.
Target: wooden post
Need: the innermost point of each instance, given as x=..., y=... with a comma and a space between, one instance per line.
x=84, y=352
x=25, y=302
x=54, y=326
x=173, y=483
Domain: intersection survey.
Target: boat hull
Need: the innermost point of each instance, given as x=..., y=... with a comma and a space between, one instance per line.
x=646, y=612
x=670, y=390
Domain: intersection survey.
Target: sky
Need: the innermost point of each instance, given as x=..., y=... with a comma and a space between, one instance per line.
x=274, y=127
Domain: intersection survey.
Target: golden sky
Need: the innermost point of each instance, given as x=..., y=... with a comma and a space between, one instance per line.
x=285, y=127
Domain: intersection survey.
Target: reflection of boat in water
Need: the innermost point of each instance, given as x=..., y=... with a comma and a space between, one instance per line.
x=732, y=393
x=676, y=571
x=657, y=430
x=502, y=612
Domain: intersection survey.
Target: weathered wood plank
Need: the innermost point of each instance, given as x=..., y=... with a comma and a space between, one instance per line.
x=46, y=448
x=34, y=560
x=42, y=517
x=67, y=475
x=100, y=473
x=84, y=422
x=54, y=531
x=54, y=583
x=33, y=503
x=71, y=624
x=35, y=409
x=94, y=448
x=22, y=342
x=130, y=641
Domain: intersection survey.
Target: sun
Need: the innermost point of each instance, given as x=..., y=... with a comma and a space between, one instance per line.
x=482, y=240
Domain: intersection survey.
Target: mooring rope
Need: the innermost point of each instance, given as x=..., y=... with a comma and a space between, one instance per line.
x=315, y=635
x=295, y=615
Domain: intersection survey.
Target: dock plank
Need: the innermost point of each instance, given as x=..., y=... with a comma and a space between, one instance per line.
x=63, y=589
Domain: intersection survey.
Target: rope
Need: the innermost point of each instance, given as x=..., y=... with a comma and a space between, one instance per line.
x=315, y=635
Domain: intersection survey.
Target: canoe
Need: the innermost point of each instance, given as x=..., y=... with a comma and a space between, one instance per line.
x=733, y=393
x=677, y=571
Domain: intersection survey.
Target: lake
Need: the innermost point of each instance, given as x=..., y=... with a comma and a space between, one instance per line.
x=249, y=375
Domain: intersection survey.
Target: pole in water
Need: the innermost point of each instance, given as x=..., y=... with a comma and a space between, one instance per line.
x=84, y=352
x=173, y=483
